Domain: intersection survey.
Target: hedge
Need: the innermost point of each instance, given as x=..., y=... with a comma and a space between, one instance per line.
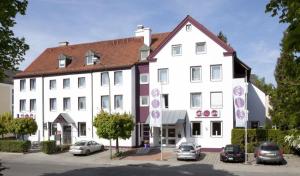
x=256, y=136
x=48, y=147
x=14, y=146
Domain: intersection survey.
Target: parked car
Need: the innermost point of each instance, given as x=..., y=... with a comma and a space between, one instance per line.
x=85, y=147
x=188, y=150
x=232, y=153
x=268, y=152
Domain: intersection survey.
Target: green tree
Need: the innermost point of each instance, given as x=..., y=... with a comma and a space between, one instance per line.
x=261, y=84
x=222, y=37
x=289, y=13
x=5, y=123
x=12, y=49
x=114, y=126
x=23, y=126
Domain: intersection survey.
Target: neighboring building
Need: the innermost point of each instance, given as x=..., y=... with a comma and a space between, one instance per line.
x=66, y=86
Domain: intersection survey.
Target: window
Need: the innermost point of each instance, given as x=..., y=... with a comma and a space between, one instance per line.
x=32, y=105
x=165, y=101
x=144, y=54
x=163, y=75
x=32, y=84
x=188, y=27
x=22, y=84
x=89, y=60
x=52, y=84
x=52, y=104
x=216, y=99
x=196, y=128
x=216, y=72
x=144, y=100
x=216, y=128
x=105, y=102
x=200, y=47
x=104, y=79
x=66, y=83
x=61, y=63
x=118, y=102
x=196, y=100
x=22, y=105
x=176, y=50
x=118, y=78
x=254, y=124
x=67, y=103
x=81, y=82
x=196, y=74
x=81, y=103
x=53, y=129
x=144, y=78
x=81, y=129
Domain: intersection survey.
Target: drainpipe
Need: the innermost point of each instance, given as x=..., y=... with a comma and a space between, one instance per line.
x=43, y=112
x=92, y=104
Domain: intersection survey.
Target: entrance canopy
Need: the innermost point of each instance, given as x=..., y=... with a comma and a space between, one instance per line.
x=171, y=117
x=64, y=118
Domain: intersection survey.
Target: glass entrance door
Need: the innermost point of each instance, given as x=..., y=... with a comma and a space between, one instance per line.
x=169, y=135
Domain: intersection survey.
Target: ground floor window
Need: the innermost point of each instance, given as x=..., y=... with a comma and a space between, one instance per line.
x=196, y=128
x=254, y=124
x=52, y=127
x=216, y=129
x=81, y=129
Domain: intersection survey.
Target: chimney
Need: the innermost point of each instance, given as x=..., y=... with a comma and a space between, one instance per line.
x=141, y=31
x=65, y=43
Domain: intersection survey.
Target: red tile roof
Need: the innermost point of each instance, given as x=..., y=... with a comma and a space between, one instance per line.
x=114, y=54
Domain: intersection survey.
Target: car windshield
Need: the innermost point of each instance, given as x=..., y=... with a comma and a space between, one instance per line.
x=270, y=147
x=81, y=143
x=186, y=148
x=231, y=149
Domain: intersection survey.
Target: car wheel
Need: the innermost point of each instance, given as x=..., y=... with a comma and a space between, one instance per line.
x=258, y=161
x=87, y=152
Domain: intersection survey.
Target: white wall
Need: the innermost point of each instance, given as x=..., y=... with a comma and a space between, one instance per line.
x=180, y=86
x=256, y=104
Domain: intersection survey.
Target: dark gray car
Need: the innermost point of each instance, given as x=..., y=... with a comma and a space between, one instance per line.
x=268, y=152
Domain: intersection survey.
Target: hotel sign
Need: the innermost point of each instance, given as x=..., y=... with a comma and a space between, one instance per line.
x=208, y=113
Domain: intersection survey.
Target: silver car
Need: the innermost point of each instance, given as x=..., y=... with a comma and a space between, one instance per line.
x=269, y=152
x=188, y=150
x=85, y=147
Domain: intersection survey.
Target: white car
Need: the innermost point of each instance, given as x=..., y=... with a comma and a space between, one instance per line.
x=85, y=147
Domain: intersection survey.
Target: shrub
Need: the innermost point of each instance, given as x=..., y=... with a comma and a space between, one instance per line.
x=23, y=126
x=49, y=147
x=14, y=146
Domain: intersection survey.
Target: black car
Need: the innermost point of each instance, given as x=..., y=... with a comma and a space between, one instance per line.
x=232, y=153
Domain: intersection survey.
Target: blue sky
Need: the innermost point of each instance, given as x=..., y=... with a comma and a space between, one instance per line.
x=252, y=33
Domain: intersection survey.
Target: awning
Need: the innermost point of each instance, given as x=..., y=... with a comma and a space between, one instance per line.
x=64, y=118
x=171, y=117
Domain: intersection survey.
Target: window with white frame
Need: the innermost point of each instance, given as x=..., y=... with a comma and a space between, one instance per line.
x=66, y=83
x=67, y=103
x=22, y=105
x=62, y=63
x=90, y=60
x=196, y=74
x=196, y=128
x=216, y=99
x=32, y=105
x=163, y=75
x=118, y=101
x=216, y=72
x=118, y=78
x=188, y=27
x=104, y=79
x=144, y=100
x=52, y=104
x=176, y=50
x=81, y=103
x=144, y=78
x=32, y=84
x=200, y=47
x=81, y=129
x=105, y=102
x=216, y=128
x=22, y=85
x=196, y=100
x=144, y=54
x=165, y=101
x=81, y=82
x=52, y=84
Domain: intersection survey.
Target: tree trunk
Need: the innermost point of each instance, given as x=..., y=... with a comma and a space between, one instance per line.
x=117, y=145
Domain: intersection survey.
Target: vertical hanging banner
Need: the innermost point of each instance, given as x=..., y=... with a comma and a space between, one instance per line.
x=155, y=108
x=239, y=101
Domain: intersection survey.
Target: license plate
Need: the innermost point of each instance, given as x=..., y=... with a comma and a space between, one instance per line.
x=271, y=154
x=230, y=158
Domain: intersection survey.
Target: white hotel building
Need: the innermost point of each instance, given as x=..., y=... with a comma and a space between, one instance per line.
x=66, y=86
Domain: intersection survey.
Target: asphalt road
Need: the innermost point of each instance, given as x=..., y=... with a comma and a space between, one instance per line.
x=59, y=169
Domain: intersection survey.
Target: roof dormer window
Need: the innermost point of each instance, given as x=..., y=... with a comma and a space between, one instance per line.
x=144, y=51
x=63, y=61
x=91, y=57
